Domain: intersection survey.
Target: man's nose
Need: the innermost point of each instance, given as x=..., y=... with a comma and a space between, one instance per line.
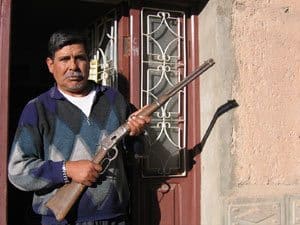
x=73, y=64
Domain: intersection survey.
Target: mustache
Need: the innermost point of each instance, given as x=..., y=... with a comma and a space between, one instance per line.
x=73, y=74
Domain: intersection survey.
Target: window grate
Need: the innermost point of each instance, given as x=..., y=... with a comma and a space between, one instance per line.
x=163, y=64
x=103, y=50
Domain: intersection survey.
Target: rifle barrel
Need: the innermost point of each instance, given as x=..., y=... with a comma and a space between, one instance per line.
x=197, y=72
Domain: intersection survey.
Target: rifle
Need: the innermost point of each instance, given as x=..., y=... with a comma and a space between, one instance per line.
x=66, y=196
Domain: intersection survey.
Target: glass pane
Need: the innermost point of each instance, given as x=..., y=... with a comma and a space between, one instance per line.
x=163, y=65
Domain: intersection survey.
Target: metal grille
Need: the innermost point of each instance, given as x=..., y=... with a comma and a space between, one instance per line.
x=103, y=50
x=162, y=66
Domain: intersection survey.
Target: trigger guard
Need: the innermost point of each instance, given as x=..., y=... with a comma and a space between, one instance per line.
x=116, y=153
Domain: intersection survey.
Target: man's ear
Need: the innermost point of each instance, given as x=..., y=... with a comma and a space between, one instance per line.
x=50, y=62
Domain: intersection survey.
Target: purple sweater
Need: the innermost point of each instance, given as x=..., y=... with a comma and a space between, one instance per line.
x=52, y=130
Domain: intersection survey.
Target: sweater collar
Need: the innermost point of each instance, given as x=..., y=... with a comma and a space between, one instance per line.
x=56, y=94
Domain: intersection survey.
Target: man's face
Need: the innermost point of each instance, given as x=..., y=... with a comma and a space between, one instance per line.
x=70, y=67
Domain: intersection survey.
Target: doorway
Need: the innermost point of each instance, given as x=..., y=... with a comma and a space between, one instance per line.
x=32, y=23
x=162, y=197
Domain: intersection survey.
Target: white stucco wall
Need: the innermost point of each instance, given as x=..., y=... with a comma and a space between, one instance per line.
x=251, y=161
x=216, y=90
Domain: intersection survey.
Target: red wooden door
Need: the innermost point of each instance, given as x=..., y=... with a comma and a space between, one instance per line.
x=5, y=8
x=166, y=182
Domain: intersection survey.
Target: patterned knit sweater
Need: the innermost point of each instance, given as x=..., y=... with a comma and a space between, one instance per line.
x=52, y=130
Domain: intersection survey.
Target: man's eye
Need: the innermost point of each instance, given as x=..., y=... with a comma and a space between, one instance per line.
x=64, y=59
x=82, y=57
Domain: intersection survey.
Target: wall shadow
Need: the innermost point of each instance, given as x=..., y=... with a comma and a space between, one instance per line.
x=197, y=149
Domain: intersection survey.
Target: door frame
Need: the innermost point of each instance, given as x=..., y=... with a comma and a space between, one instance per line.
x=5, y=7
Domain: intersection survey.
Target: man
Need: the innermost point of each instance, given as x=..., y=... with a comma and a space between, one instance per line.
x=59, y=133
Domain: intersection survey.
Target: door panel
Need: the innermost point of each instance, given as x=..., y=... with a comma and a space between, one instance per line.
x=162, y=203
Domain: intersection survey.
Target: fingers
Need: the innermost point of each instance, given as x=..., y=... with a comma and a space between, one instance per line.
x=83, y=171
x=137, y=124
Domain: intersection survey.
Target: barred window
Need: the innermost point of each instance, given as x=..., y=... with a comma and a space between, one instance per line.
x=163, y=64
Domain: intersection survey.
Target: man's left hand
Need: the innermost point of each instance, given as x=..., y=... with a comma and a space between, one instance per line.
x=137, y=123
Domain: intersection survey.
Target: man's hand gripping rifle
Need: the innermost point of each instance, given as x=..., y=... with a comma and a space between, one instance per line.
x=66, y=196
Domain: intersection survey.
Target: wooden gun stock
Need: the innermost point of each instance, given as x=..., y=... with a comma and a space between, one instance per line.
x=65, y=197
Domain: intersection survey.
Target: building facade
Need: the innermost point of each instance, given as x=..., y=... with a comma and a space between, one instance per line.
x=240, y=166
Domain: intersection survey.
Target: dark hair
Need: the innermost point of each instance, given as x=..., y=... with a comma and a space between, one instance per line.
x=61, y=38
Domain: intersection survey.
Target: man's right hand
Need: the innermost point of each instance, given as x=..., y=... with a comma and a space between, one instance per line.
x=83, y=171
